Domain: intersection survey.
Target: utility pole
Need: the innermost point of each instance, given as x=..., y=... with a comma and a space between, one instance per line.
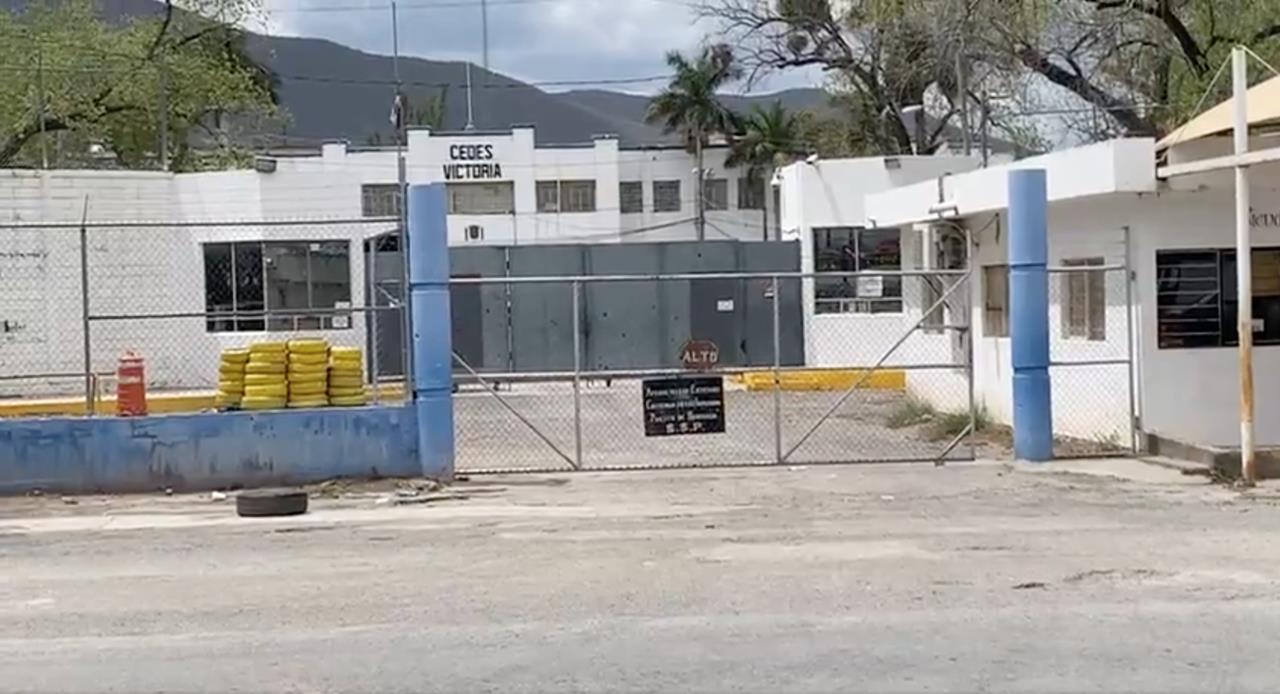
x=164, y=115
x=1244, y=262
x=471, y=123
x=402, y=183
x=44, y=146
x=700, y=223
x=962, y=80
x=484, y=31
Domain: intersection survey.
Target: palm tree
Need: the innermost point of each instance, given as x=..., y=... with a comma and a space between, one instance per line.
x=689, y=106
x=769, y=139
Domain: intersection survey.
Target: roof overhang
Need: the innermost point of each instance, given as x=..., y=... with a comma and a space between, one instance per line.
x=1106, y=168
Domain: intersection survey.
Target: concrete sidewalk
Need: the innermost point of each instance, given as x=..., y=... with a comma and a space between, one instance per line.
x=886, y=578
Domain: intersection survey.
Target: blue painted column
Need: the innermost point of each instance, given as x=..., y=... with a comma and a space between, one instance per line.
x=431, y=329
x=1029, y=315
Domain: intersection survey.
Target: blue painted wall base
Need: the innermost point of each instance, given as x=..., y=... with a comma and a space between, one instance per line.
x=198, y=452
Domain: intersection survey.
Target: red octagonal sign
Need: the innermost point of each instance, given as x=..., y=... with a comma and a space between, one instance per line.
x=700, y=355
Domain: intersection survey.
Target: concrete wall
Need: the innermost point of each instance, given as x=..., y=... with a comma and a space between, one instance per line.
x=206, y=451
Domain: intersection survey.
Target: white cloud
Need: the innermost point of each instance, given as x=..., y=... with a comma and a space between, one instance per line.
x=546, y=40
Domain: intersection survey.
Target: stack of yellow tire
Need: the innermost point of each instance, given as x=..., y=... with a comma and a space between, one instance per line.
x=308, y=373
x=346, y=377
x=231, y=378
x=265, y=387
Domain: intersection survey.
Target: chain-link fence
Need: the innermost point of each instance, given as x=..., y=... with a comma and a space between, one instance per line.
x=177, y=294
x=1091, y=347
x=712, y=369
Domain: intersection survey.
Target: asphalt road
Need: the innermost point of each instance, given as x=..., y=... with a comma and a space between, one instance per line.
x=886, y=578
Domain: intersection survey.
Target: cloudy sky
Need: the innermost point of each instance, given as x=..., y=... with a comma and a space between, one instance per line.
x=531, y=40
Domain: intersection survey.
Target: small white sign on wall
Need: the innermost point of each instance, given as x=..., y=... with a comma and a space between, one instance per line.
x=870, y=287
x=724, y=305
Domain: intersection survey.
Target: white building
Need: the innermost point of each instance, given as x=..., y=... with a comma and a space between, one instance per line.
x=504, y=189
x=1110, y=205
x=215, y=251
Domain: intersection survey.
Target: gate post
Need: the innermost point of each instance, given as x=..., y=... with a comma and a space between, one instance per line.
x=431, y=329
x=1029, y=315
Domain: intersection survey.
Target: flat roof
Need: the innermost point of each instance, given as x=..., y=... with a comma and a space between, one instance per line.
x=1125, y=165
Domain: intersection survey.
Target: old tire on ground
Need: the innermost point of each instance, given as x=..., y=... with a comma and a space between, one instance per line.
x=258, y=503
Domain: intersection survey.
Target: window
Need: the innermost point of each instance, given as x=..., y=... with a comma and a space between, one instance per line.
x=1084, y=309
x=292, y=277
x=1196, y=298
x=578, y=196
x=481, y=198
x=849, y=250
x=751, y=193
x=995, y=300
x=716, y=193
x=666, y=196
x=548, y=193
x=380, y=200
x=566, y=196
x=631, y=196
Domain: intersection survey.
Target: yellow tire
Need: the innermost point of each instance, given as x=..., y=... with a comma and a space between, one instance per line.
x=262, y=403
x=308, y=347
x=345, y=352
x=231, y=369
x=304, y=389
x=319, y=358
x=345, y=392
x=268, y=348
x=346, y=381
x=300, y=369
x=236, y=389
x=264, y=379
x=277, y=391
x=355, y=401
x=237, y=359
x=303, y=403
x=268, y=358
x=346, y=371
x=264, y=369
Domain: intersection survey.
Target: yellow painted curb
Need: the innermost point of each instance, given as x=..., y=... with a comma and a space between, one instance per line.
x=826, y=379
x=157, y=403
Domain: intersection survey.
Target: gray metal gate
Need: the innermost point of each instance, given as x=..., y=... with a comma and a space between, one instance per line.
x=886, y=390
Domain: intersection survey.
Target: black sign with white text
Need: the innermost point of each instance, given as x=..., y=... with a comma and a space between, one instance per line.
x=683, y=405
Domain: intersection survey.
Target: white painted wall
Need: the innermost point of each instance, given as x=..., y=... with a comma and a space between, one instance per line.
x=832, y=193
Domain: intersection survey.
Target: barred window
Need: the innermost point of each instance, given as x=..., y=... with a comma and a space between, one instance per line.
x=548, y=194
x=853, y=249
x=1084, y=309
x=995, y=300
x=631, y=196
x=578, y=196
x=716, y=193
x=481, y=198
x=751, y=193
x=277, y=276
x=380, y=200
x=566, y=196
x=666, y=196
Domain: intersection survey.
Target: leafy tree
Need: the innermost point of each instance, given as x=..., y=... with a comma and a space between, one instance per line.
x=84, y=80
x=1109, y=67
x=770, y=138
x=690, y=106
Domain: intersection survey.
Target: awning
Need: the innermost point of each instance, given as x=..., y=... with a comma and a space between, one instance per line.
x=1263, y=101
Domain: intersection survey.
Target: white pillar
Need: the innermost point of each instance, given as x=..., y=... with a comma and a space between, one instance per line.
x=1244, y=262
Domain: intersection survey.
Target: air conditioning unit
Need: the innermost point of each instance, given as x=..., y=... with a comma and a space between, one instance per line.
x=474, y=232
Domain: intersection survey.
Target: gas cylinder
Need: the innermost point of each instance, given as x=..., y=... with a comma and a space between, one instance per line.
x=131, y=386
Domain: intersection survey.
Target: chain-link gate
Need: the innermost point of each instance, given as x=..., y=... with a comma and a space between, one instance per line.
x=713, y=369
